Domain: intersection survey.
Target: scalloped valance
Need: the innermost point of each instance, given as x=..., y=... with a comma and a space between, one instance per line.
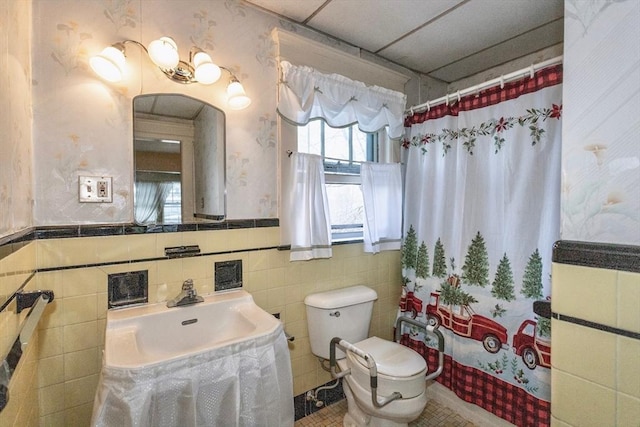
x=306, y=94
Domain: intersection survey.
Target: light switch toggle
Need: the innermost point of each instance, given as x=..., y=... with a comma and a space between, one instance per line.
x=95, y=189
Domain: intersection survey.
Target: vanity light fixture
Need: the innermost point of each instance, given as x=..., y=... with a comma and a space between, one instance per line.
x=163, y=52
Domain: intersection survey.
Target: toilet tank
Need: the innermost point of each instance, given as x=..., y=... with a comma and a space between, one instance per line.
x=344, y=313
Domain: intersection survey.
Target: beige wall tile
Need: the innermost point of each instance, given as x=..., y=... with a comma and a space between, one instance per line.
x=584, y=292
x=167, y=240
x=628, y=411
x=80, y=391
x=628, y=366
x=572, y=343
x=629, y=301
x=80, y=336
x=50, y=342
x=557, y=423
x=78, y=415
x=170, y=271
x=110, y=248
x=82, y=281
x=141, y=246
x=51, y=280
x=51, y=371
x=81, y=363
x=80, y=309
x=581, y=403
x=55, y=419
x=53, y=314
x=51, y=399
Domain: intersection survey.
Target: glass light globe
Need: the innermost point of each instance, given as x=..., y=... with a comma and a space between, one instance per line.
x=236, y=96
x=164, y=53
x=109, y=64
x=206, y=72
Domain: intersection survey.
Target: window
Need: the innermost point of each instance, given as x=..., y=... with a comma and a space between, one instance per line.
x=343, y=150
x=172, y=208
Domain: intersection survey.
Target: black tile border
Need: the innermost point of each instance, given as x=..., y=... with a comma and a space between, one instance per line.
x=597, y=255
x=598, y=326
x=13, y=242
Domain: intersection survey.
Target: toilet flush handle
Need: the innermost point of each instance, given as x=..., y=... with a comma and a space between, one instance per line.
x=335, y=314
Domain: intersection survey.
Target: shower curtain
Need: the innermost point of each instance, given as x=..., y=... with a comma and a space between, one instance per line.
x=481, y=215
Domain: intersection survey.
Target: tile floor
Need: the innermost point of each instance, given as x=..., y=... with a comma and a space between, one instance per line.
x=434, y=415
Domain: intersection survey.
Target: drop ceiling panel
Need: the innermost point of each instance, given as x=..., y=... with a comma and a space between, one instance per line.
x=532, y=41
x=298, y=10
x=373, y=25
x=470, y=28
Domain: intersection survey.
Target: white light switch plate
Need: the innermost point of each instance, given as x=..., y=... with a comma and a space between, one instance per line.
x=95, y=189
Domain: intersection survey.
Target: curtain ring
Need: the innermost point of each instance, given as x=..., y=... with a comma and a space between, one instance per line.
x=458, y=94
x=428, y=106
x=411, y=110
x=446, y=100
x=531, y=71
x=502, y=82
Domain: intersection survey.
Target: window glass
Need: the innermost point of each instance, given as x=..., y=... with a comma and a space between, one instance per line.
x=310, y=138
x=172, y=210
x=341, y=148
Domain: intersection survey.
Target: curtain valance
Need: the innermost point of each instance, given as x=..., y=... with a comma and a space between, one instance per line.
x=306, y=94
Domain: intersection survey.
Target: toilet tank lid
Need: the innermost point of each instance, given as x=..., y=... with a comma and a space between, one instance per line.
x=341, y=297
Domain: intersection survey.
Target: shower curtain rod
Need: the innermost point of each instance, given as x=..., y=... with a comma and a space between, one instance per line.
x=505, y=78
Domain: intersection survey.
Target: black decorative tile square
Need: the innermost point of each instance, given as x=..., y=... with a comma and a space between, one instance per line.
x=128, y=288
x=228, y=275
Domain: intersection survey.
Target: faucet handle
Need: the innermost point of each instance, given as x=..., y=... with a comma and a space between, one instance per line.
x=187, y=285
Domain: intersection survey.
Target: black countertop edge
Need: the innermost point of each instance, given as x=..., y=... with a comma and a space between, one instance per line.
x=598, y=255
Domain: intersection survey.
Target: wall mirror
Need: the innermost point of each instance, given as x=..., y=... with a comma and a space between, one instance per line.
x=179, y=160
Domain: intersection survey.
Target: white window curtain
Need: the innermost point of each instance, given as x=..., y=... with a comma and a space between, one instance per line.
x=150, y=197
x=308, y=211
x=306, y=94
x=382, y=194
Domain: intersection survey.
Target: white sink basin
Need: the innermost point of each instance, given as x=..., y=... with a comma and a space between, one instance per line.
x=151, y=334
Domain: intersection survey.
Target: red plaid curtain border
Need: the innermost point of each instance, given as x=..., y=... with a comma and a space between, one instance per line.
x=475, y=386
x=546, y=77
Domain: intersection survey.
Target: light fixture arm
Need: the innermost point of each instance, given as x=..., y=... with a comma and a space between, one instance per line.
x=110, y=63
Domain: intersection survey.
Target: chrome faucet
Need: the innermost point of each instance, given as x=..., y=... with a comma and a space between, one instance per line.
x=188, y=296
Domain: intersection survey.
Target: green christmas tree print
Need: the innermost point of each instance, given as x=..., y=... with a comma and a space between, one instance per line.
x=453, y=295
x=439, y=261
x=503, y=283
x=422, y=263
x=410, y=249
x=475, y=270
x=544, y=327
x=532, y=280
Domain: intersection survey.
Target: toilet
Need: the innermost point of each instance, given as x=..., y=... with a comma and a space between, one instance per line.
x=346, y=313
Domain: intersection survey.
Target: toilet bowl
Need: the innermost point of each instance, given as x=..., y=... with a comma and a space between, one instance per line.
x=399, y=369
x=346, y=313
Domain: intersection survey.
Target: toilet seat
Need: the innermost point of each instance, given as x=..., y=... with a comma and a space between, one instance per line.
x=399, y=368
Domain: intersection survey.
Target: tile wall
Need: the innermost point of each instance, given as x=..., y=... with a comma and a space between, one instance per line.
x=595, y=373
x=17, y=264
x=72, y=329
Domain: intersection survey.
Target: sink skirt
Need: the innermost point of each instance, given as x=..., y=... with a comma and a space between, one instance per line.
x=243, y=384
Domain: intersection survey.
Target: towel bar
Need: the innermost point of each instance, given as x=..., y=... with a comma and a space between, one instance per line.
x=29, y=324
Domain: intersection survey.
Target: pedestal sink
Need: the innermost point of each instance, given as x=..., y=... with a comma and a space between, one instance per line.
x=224, y=361
x=152, y=333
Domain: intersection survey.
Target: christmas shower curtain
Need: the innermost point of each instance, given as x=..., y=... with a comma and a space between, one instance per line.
x=481, y=215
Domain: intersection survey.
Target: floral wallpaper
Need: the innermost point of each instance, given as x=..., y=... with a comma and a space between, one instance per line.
x=601, y=151
x=16, y=189
x=83, y=125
